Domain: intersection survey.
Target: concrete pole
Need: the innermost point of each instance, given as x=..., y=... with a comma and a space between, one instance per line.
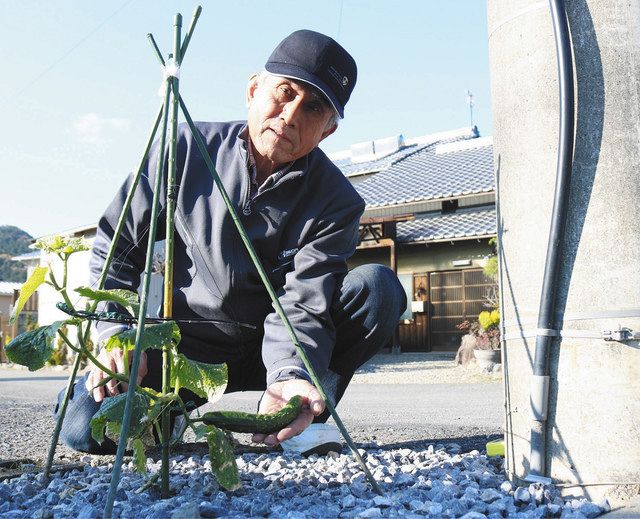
x=593, y=426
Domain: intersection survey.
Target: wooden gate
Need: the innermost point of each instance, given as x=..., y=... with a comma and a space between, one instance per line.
x=450, y=297
x=414, y=336
x=28, y=320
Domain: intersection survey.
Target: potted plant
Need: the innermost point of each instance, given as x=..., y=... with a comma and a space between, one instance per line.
x=482, y=340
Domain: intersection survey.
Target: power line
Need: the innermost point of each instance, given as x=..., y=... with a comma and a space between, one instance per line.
x=70, y=50
x=340, y=20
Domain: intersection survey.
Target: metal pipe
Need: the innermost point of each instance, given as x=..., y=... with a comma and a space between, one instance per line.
x=547, y=323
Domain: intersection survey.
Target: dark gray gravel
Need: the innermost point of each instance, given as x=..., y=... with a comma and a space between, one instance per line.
x=423, y=445
x=438, y=481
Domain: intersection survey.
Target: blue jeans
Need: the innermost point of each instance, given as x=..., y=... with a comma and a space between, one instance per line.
x=365, y=313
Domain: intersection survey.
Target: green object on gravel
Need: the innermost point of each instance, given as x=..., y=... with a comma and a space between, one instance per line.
x=236, y=421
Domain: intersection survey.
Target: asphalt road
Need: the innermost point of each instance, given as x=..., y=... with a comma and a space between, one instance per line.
x=391, y=414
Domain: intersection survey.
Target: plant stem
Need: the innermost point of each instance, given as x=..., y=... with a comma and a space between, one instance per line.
x=102, y=367
x=125, y=359
x=184, y=410
x=65, y=269
x=274, y=297
x=62, y=409
x=53, y=280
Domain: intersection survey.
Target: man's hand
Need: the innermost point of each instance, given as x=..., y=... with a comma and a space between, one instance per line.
x=276, y=397
x=113, y=360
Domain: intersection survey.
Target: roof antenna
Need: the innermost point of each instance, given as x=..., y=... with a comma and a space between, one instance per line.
x=470, y=103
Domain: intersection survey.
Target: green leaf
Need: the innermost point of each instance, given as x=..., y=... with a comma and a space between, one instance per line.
x=139, y=456
x=206, y=380
x=154, y=336
x=156, y=407
x=34, y=348
x=112, y=431
x=126, y=298
x=112, y=411
x=36, y=279
x=201, y=431
x=223, y=461
x=61, y=244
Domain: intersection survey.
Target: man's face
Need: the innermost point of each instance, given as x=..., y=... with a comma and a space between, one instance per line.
x=287, y=119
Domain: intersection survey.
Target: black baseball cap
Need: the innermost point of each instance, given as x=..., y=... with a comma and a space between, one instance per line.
x=318, y=60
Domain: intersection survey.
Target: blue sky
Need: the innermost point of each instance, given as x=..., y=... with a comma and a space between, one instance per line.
x=79, y=84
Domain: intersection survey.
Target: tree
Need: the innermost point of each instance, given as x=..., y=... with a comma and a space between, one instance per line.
x=13, y=241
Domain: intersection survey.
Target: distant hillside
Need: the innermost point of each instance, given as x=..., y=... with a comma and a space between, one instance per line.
x=13, y=241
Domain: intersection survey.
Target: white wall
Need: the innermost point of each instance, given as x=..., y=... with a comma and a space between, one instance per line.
x=78, y=275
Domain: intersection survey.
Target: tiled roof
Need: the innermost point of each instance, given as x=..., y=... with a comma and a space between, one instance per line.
x=349, y=168
x=7, y=287
x=465, y=223
x=428, y=174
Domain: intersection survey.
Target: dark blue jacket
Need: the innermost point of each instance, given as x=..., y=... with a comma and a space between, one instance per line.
x=304, y=228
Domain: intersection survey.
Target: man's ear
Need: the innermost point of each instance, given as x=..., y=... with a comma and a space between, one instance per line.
x=329, y=131
x=251, y=87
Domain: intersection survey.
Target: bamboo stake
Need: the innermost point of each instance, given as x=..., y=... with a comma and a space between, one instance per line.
x=192, y=26
x=126, y=419
x=172, y=193
x=155, y=48
x=274, y=298
x=62, y=411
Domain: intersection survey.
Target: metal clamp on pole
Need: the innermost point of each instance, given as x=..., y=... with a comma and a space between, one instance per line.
x=620, y=335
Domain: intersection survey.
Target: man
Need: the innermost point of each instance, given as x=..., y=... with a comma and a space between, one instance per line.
x=302, y=217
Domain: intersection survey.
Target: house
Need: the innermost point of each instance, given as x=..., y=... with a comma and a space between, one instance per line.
x=77, y=275
x=8, y=296
x=430, y=212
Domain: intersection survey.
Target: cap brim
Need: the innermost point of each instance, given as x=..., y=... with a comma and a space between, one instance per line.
x=299, y=74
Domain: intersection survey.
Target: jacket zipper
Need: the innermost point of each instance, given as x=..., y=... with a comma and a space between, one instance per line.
x=246, y=205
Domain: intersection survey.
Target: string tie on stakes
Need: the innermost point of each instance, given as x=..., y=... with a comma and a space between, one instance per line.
x=171, y=69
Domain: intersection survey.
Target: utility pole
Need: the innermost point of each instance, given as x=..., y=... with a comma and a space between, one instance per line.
x=524, y=95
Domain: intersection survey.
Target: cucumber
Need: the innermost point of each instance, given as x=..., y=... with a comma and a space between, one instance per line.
x=236, y=421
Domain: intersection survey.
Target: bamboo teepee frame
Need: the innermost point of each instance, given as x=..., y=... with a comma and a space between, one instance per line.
x=172, y=101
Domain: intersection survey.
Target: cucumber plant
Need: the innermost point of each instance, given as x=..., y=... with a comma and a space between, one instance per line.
x=34, y=348
x=144, y=405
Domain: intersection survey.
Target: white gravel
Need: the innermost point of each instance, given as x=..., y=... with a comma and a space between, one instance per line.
x=421, y=368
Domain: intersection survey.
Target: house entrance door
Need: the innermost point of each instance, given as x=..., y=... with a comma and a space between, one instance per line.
x=414, y=335
x=455, y=296
x=449, y=297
